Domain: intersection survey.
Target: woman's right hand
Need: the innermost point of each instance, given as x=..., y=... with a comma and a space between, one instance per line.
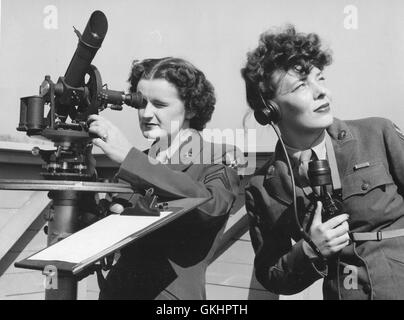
x=330, y=237
x=111, y=140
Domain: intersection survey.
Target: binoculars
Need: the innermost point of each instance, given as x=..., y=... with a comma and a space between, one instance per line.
x=319, y=173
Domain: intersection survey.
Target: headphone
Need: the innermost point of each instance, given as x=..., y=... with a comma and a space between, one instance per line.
x=269, y=114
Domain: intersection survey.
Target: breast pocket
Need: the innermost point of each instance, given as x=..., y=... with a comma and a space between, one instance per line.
x=364, y=180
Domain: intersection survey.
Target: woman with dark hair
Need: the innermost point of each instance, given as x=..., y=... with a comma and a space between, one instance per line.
x=170, y=263
x=357, y=249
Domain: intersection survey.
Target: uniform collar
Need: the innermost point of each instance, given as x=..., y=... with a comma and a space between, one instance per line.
x=338, y=131
x=344, y=145
x=277, y=179
x=188, y=151
x=165, y=155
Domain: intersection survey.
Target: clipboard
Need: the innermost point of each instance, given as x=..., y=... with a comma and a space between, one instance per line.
x=83, y=248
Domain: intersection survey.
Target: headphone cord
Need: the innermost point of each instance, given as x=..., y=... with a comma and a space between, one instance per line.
x=303, y=233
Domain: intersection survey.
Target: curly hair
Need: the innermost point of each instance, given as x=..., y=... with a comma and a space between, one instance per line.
x=194, y=90
x=282, y=50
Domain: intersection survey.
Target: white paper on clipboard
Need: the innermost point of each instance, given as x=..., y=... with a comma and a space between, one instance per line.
x=96, y=237
x=87, y=246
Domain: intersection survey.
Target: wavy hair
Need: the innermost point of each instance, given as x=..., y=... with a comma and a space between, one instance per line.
x=194, y=90
x=280, y=50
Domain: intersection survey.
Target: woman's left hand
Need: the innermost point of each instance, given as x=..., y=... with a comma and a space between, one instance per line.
x=111, y=140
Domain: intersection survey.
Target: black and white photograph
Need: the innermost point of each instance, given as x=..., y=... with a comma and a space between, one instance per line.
x=218, y=151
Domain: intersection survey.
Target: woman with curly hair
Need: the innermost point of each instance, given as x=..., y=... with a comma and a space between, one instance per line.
x=170, y=263
x=357, y=250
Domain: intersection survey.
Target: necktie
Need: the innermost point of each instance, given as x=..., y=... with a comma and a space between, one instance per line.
x=305, y=158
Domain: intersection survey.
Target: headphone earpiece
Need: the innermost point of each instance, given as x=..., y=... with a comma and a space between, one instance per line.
x=270, y=113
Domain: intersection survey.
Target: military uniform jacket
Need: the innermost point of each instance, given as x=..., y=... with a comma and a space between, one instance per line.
x=170, y=263
x=370, y=158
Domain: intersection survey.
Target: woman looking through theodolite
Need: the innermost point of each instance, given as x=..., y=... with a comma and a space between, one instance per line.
x=170, y=263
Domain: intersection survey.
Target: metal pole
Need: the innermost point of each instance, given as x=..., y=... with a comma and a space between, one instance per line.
x=63, y=220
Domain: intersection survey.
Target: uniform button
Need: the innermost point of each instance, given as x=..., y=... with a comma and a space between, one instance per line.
x=365, y=186
x=342, y=135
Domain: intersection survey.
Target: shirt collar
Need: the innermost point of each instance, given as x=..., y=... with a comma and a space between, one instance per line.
x=162, y=154
x=318, y=147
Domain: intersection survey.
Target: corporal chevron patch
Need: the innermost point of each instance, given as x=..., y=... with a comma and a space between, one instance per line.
x=219, y=176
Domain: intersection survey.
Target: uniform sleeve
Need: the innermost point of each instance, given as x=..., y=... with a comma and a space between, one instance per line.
x=280, y=267
x=394, y=141
x=216, y=181
x=193, y=233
